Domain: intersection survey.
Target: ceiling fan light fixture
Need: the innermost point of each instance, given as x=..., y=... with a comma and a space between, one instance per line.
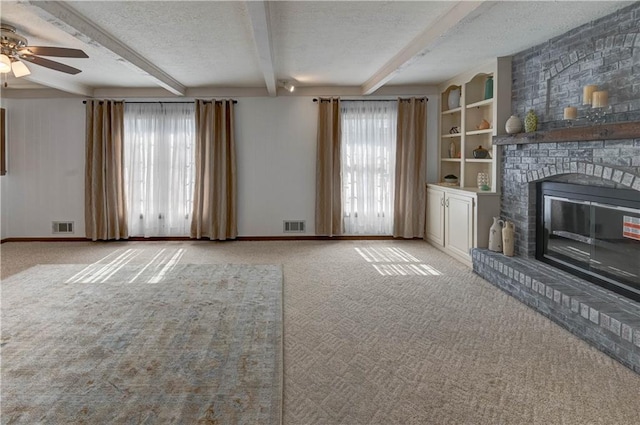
x=5, y=64
x=289, y=86
x=20, y=69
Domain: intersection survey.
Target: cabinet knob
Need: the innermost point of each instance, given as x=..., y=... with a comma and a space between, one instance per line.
x=442, y=202
x=447, y=203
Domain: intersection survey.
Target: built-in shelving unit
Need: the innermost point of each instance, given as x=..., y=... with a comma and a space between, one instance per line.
x=459, y=215
x=461, y=129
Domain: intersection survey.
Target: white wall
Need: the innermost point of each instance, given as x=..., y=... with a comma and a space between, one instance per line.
x=275, y=142
x=276, y=148
x=45, y=177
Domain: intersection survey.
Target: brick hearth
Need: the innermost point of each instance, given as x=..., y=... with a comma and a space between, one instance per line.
x=608, y=321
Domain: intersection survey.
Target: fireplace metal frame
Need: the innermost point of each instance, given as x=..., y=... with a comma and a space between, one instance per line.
x=623, y=197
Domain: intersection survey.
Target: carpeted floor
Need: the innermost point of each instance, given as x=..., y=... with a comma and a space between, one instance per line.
x=396, y=332
x=149, y=343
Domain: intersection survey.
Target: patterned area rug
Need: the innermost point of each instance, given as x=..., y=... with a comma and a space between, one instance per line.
x=170, y=343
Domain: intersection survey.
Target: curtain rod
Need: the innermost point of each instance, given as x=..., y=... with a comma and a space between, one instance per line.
x=375, y=100
x=185, y=103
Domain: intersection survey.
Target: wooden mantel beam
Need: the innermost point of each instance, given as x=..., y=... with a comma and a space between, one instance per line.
x=610, y=131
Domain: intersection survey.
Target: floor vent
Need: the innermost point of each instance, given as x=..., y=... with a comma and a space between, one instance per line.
x=62, y=226
x=294, y=226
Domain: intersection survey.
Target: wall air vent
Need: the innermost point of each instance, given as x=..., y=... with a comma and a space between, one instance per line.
x=62, y=226
x=294, y=226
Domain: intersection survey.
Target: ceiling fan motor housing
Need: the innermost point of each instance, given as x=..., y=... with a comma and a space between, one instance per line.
x=11, y=42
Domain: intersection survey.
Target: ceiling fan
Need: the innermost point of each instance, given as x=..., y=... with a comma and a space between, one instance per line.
x=15, y=49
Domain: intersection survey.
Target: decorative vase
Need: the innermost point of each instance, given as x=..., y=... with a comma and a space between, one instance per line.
x=452, y=150
x=513, y=125
x=454, y=98
x=488, y=88
x=508, y=238
x=495, y=235
x=480, y=153
x=530, y=121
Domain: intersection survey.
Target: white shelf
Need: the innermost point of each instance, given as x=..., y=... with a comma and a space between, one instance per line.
x=450, y=159
x=475, y=132
x=452, y=111
x=450, y=136
x=486, y=160
x=485, y=102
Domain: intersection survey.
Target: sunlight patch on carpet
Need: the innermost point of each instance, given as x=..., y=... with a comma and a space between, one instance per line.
x=154, y=271
x=391, y=261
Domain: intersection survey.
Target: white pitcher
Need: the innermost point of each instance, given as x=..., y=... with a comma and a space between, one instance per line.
x=495, y=235
x=508, y=240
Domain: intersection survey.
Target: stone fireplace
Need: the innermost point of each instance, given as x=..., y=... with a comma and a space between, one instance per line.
x=605, y=319
x=547, y=78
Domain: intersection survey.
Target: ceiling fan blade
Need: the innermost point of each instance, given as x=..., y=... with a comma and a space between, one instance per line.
x=50, y=64
x=61, y=52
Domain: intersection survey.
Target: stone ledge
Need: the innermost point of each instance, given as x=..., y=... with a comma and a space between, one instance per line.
x=606, y=320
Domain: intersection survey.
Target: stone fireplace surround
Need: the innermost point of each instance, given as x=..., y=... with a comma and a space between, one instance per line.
x=608, y=321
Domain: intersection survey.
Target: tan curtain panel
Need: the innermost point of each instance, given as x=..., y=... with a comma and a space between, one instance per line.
x=409, y=205
x=214, y=204
x=328, y=181
x=105, y=200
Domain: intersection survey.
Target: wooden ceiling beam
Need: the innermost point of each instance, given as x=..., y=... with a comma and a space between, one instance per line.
x=72, y=22
x=420, y=45
x=261, y=27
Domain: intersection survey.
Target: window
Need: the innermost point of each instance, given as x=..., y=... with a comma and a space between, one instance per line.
x=368, y=166
x=159, y=143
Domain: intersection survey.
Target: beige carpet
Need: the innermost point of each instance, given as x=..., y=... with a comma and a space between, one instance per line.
x=395, y=332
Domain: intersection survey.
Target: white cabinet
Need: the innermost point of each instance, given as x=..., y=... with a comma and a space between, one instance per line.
x=459, y=219
x=435, y=216
x=458, y=223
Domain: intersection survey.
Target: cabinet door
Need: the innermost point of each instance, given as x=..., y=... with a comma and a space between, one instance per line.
x=435, y=216
x=459, y=224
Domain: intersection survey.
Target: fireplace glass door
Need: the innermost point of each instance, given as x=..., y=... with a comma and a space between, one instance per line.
x=595, y=238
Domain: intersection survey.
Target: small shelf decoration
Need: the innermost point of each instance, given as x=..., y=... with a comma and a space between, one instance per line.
x=480, y=153
x=483, y=181
x=513, y=125
x=570, y=115
x=596, y=107
x=452, y=150
x=450, y=178
x=488, y=88
x=531, y=122
x=484, y=125
x=453, y=100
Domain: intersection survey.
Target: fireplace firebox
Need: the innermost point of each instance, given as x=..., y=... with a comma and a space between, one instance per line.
x=591, y=232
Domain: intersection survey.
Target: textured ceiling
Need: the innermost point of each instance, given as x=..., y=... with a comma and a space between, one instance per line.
x=504, y=29
x=198, y=43
x=344, y=43
x=184, y=47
